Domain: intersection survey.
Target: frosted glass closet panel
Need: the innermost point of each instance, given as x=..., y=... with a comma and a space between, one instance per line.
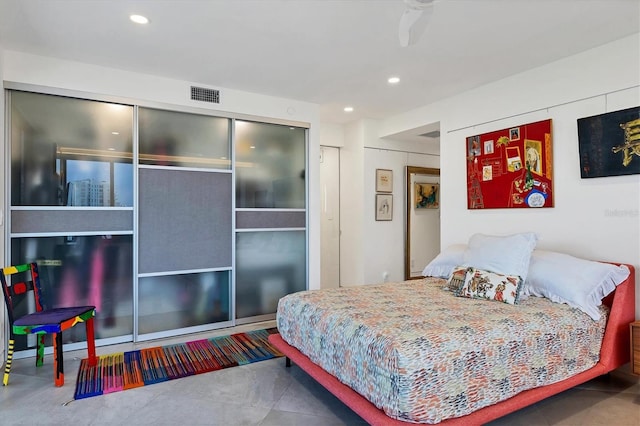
x=170, y=138
x=178, y=301
x=269, y=265
x=82, y=270
x=70, y=152
x=270, y=166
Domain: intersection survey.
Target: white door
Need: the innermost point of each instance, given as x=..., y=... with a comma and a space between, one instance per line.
x=330, y=217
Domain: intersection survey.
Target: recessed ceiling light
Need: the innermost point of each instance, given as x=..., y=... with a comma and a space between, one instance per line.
x=139, y=19
x=348, y=109
x=252, y=147
x=394, y=80
x=115, y=133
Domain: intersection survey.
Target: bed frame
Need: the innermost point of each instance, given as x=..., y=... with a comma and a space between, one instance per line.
x=615, y=352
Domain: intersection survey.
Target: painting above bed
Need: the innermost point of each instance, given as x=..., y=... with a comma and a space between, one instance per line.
x=610, y=144
x=510, y=168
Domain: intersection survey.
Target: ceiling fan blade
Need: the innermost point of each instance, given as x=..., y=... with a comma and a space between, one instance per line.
x=407, y=21
x=413, y=22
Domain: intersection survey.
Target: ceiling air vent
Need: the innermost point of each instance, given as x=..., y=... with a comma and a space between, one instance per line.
x=205, y=95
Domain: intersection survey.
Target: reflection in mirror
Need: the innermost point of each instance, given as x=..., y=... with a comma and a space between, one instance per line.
x=422, y=233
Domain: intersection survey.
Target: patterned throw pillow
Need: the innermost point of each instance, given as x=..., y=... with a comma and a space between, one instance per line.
x=456, y=280
x=481, y=284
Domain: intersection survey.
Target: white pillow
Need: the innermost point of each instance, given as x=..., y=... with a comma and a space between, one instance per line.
x=577, y=282
x=443, y=264
x=508, y=255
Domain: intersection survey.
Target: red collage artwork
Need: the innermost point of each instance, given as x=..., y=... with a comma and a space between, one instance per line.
x=510, y=168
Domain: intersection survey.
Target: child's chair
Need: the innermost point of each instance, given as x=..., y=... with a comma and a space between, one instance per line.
x=42, y=322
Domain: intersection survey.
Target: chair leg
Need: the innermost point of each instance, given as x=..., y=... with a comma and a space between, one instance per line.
x=91, y=343
x=58, y=363
x=39, y=350
x=7, y=367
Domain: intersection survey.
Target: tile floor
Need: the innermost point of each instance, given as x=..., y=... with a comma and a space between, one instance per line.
x=264, y=393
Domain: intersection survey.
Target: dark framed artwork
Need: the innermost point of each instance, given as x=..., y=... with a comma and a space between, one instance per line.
x=609, y=144
x=510, y=168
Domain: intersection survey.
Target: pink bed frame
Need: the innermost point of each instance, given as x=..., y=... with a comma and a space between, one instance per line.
x=615, y=352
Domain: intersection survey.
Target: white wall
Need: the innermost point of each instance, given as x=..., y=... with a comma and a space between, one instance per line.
x=352, y=205
x=332, y=135
x=592, y=218
x=24, y=68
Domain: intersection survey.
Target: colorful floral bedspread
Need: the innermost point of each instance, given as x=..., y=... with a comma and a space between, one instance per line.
x=423, y=355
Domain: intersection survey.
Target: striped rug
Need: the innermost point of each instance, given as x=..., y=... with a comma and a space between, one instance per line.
x=126, y=370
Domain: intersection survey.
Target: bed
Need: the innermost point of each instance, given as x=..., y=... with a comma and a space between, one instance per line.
x=383, y=351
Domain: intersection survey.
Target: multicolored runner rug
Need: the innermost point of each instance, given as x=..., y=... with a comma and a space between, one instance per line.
x=126, y=370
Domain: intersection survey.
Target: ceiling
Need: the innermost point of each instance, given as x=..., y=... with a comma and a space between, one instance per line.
x=332, y=53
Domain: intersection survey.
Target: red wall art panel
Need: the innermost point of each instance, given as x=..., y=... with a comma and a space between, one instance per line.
x=510, y=168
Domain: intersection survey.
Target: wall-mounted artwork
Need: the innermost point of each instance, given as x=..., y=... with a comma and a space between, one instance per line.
x=427, y=196
x=609, y=144
x=384, y=206
x=511, y=168
x=384, y=180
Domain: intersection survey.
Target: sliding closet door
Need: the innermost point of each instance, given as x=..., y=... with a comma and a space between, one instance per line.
x=185, y=223
x=71, y=194
x=270, y=217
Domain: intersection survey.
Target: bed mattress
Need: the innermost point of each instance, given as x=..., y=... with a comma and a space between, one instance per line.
x=423, y=355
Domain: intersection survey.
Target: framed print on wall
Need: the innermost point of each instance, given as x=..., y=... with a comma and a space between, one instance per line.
x=384, y=180
x=427, y=196
x=510, y=168
x=384, y=206
x=609, y=144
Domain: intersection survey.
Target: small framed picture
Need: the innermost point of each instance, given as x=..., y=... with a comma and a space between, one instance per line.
x=488, y=147
x=384, y=206
x=514, y=134
x=427, y=195
x=473, y=146
x=384, y=180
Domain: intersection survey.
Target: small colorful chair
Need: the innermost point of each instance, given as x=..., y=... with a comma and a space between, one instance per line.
x=49, y=321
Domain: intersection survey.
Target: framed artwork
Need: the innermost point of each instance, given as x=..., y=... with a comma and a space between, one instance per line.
x=473, y=146
x=609, y=144
x=514, y=169
x=384, y=206
x=427, y=196
x=384, y=180
x=488, y=147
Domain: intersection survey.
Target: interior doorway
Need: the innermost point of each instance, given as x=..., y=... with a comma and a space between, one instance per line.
x=423, y=219
x=330, y=217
